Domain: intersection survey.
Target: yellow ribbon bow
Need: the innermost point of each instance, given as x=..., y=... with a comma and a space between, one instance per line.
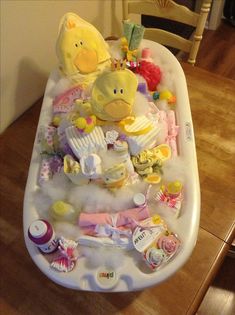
x=130, y=54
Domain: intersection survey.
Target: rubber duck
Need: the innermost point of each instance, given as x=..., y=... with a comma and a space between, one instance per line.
x=85, y=125
x=62, y=211
x=168, y=96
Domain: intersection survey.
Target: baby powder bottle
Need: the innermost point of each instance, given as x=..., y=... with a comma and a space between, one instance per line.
x=62, y=211
x=42, y=235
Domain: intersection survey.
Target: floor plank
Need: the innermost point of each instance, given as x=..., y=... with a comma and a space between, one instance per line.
x=220, y=297
x=216, y=54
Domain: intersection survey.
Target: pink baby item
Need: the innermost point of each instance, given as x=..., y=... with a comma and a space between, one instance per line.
x=64, y=102
x=65, y=262
x=172, y=202
x=122, y=220
x=147, y=54
x=49, y=166
x=172, y=132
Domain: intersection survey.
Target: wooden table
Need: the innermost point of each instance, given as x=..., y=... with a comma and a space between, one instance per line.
x=25, y=290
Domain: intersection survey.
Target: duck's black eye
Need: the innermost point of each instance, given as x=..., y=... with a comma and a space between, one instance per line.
x=121, y=91
x=115, y=91
x=81, y=42
x=76, y=45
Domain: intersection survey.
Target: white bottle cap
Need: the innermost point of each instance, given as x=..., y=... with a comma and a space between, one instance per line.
x=139, y=199
x=38, y=229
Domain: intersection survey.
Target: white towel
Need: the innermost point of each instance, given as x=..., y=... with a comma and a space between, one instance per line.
x=85, y=143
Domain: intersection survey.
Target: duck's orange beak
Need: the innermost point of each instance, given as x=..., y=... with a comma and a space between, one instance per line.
x=172, y=100
x=86, y=60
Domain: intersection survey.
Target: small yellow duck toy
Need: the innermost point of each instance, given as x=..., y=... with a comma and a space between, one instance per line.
x=85, y=125
x=62, y=211
x=168, y=96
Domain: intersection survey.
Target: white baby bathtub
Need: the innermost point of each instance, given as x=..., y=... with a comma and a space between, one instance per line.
x=128, y=276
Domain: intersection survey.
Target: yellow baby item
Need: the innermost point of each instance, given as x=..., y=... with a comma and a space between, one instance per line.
x=85, y=124
x=80, y=47
x=62, y=211
x=153, y=178
x=162, y=152
x=72, y=170
x=148, y=163
x=172, y=189
x=113, y=95
x=168, y=96
x=115, y=177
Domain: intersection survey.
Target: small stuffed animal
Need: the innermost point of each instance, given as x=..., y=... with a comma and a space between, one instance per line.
x=113, y=95
x=115, y=177
x=85, y=125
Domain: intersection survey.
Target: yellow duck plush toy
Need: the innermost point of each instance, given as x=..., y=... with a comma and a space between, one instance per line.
x=113, y=95
x=81, y=49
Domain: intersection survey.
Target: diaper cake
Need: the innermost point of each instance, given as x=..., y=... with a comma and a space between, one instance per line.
x=105, y=153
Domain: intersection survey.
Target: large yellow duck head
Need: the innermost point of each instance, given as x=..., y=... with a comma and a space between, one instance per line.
x=80, y=47
x=113, y=95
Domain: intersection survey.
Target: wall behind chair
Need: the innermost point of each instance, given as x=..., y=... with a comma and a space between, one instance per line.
x=28, y=35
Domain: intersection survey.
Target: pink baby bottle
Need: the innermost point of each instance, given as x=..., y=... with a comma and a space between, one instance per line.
x=41, y=233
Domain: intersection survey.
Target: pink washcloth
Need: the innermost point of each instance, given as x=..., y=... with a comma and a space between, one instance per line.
x=126, y=218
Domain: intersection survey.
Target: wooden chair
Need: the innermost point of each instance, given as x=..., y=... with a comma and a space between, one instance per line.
x=170, y=10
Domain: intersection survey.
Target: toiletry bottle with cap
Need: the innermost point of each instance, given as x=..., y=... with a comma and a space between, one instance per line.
x=41, y=233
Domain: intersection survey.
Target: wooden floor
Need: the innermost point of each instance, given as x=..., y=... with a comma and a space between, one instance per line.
x=217, y=51
x=220, y=298
x=217, y=54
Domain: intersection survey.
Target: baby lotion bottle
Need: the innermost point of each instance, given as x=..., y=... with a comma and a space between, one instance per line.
x=42, y=235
